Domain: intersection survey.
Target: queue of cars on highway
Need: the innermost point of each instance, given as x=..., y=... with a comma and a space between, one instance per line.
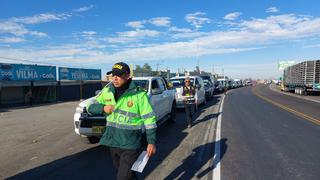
x=165, y=96
x=162, y=98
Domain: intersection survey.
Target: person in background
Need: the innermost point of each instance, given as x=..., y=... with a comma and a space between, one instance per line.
x=225, y=89
x=189, y=92
x=30, y=97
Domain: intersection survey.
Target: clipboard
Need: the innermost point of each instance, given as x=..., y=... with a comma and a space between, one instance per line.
x=141, y=162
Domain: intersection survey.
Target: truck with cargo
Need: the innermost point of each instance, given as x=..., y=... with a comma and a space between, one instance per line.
x=302, y=78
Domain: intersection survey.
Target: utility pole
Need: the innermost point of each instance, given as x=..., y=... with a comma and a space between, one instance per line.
x=212, y=69
x=223, y=73
x=157, y=65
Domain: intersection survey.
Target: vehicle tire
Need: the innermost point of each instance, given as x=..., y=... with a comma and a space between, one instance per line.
x=90, y=140
x=172, y=118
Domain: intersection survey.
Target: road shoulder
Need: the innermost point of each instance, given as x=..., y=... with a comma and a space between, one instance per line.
x=193, y=156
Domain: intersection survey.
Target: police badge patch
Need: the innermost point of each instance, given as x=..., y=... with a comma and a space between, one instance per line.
x=130, y=103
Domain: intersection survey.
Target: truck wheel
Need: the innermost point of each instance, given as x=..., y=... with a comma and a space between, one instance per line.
x=172, y=118
x=90, y=140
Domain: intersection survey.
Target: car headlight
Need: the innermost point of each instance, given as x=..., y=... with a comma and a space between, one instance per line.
x=179, y=97
x=79, y=109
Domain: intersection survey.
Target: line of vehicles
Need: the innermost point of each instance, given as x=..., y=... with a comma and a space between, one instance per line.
x=164, y=96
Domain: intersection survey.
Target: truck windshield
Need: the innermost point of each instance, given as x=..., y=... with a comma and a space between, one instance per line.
x=206, y=78
x=221, y=82
x=144, y=84
x=177, y=83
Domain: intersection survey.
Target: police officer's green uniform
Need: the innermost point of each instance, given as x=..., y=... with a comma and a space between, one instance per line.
x=132, y=112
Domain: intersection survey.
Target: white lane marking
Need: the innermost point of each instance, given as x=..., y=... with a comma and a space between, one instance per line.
x=44, y=135
x=216, y=171
x=35, y=157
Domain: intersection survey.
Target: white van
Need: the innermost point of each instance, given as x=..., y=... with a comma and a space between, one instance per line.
x=197, y=81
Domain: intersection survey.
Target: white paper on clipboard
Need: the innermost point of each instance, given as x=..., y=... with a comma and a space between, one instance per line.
x=141, y=162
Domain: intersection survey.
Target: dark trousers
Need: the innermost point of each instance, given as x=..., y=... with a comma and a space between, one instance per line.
x=189, y=112
x=123, y=160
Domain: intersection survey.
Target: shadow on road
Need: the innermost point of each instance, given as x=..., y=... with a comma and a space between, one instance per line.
x=191, y=165
x=202, y=108
x=96, y=163
x=218, y=157
x=206, y=118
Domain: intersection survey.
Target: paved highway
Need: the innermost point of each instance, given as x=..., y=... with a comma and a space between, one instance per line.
x=40, y=143
x=264, y=135
x=301, y=107
x=265, y=141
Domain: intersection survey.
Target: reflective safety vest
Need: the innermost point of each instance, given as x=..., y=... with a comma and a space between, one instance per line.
x=132, y=113
x=191, y=91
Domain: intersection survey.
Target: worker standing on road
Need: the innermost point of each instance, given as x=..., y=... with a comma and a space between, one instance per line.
x=30, y=97
x=225, y=89
x=189, y=92
x=129, y=111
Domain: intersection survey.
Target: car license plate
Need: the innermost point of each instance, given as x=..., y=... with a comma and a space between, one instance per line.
x=98, y=129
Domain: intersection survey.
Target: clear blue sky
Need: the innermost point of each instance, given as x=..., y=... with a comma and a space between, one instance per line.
x=245, y=38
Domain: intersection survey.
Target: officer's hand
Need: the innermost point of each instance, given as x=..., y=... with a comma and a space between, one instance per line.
x=108, y=109
x=151, y=149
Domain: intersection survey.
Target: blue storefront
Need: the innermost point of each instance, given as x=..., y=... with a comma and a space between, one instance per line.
x=78, y=83
x=27, y=84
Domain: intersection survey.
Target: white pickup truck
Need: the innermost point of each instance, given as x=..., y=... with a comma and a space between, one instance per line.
x=162, y=98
